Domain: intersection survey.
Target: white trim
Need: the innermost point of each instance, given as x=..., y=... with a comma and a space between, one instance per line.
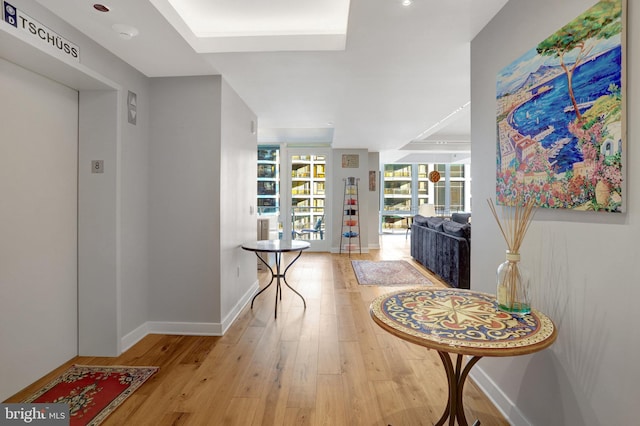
x=365, y=250
x=118, y=215
x=502, y=402
x=188, y=328
x=134, y=337
x=242, y=302
x=185, y=328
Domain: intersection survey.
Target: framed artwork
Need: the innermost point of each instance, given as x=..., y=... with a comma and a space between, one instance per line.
x=350, y=161
x=561, y=117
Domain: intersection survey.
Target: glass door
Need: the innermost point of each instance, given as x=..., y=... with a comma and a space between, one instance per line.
x=308, y=200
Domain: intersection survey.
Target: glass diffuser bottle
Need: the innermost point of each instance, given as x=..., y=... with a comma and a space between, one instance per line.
x=513, y=286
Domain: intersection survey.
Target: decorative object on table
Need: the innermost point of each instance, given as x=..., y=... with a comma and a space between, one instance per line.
x=388, y=272
x=350, y=230
x=93, y=392
x=513, y=281
x=561, y=116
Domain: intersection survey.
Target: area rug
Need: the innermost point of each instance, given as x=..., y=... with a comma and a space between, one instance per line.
x=388, y=272
x=93, y=392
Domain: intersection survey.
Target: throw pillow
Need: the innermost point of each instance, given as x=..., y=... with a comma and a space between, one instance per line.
x=457, y=229
x=435, y=223
x=460, y=217
x=420, y=220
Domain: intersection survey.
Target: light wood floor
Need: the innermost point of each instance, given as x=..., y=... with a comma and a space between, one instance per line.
x=326, y=365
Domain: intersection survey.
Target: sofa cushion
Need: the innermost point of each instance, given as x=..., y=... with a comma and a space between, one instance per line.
x=435, y=223
x=456, y=229
x=460, y=217
x=420, y=220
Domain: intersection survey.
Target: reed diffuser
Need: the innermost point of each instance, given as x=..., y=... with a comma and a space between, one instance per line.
x=513, y=281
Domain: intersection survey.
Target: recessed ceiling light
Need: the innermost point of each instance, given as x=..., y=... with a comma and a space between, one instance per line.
x=100, y=7
x=127, y=32
x=407, y=2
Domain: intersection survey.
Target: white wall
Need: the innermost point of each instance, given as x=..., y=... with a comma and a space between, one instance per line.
x=373, y=202
x=99, y=274
x=202, y=204
x=338, y=175
x=584, y=263
x=237, y=197
x=184, y=202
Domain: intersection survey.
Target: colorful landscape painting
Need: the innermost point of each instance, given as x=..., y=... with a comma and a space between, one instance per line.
x=560, y=117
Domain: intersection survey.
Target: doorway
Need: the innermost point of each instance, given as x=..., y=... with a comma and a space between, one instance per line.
x=308, y=196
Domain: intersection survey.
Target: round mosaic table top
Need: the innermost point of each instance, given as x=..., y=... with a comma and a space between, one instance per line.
x=461, y=321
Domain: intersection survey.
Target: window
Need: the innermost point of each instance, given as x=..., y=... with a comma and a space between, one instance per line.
x=268, y=180
x=397, y=188
x=407, y=186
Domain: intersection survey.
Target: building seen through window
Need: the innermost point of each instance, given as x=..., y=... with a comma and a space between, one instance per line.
x=407, y=186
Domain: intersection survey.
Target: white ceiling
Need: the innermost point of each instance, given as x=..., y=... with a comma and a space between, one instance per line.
x=401, y=82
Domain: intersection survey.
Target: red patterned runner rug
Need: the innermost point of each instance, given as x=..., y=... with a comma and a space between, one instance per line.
x=93, y=392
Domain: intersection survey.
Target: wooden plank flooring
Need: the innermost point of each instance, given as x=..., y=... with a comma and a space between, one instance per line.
x=326, y=365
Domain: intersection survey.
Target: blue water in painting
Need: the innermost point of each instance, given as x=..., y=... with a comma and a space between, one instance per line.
x=590, y=81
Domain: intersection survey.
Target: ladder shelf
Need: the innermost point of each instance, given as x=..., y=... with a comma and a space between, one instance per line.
x=350, y=230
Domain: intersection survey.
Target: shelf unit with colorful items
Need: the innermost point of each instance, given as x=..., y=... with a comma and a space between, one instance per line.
x=350, y=233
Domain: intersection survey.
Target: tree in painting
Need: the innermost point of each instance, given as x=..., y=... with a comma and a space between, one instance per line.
x=601, y=21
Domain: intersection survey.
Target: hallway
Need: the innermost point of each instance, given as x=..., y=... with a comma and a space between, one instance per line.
x=328, y=364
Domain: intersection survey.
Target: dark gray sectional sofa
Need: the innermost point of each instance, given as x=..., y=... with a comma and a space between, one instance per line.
x=444, y=247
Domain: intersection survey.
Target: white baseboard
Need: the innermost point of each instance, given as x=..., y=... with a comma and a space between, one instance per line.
x=185, y=328
x=233, y=314
x=499, y=399
x=134, y=337
x=336, y=250
x=188, y=328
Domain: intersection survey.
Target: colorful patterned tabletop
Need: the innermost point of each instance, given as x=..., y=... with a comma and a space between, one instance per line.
x=461, y=321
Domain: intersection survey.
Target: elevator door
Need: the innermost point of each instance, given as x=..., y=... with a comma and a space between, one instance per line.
x=38, y=226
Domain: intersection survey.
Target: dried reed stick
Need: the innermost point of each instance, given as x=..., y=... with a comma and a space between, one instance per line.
x=517, y=219
x=516, y=222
